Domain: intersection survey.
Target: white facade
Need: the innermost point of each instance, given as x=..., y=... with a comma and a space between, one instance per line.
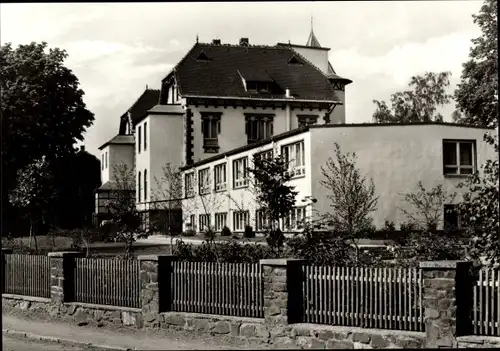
x=396, y=157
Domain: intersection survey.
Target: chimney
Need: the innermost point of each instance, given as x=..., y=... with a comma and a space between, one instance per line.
x=287, y=93
x=216, y=42
x=244, y=42
x=82, y=148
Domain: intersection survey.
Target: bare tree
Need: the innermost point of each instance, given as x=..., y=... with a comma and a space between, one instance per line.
x=427, y=206
x=352, y=197
x=125, y=218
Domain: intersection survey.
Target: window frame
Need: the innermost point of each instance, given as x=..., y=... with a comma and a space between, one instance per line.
x=245, y=219
x=306, y=120
x=290, y=223
x=189, y=191
x=210, y=130
x=204, y=189
x=192, y=220
x=220, y=224
x=458, y=166
x=145, y=181
x=139, y=136
x=262, y=124
x=296, y=171
x=242, y=182
x=202, y=218
x=144, y=127
x=139, y=181
x=220, y=186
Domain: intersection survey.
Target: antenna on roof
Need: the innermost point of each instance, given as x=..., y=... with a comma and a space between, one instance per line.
x=196, y=38
x=311, y=23
x=146, y=87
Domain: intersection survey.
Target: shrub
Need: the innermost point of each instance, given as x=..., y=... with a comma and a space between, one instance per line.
x=249, y=232
x=225, y=231
x=209, y=234
x=189, y=232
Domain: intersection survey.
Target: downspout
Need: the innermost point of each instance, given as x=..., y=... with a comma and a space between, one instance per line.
x=288, y=119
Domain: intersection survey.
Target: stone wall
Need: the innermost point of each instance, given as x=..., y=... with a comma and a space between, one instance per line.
x=445, y=308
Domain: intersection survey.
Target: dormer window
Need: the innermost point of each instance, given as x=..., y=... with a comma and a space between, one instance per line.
x=257, y=86
x=306, y=120
x=202, y=57
x=294, y=61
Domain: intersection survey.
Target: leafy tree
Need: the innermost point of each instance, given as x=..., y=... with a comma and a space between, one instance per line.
x=43, y=113
x=273, y=193
x=34, y=195
x=427, y=206
x=125, y=218
x=480, y=209
x=477, y=94
x=419, y=104
x=352, y=197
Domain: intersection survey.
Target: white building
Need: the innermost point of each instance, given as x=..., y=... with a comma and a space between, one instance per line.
x=222, y=103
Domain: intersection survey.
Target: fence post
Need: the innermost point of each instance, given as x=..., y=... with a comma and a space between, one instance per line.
x=62, y=276
x=5, y=251
x=155, y=279
x=447, y=300
x=283, y=300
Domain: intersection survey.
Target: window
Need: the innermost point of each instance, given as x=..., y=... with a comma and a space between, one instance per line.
x=295, y=219
x=264, y=155
x=145, y=184
x=306, y=120
x=258, y=127
x=220, y=177
x=204, y=222
x=451, y=218
x=204, y=181
x=210, y=128
x=106, y=160
x=240, y=220
x=102, y=162
x=294, y=157
x=458, y=157
x=192, y=221
x=139, y=141
x=189, y=184
x=145, y=136
x=139, y=187
x=257, y=86
x=220, y=221
x=261, y=220
x=240, y=171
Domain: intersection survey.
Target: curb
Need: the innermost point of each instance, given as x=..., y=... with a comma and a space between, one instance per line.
x=90, y=346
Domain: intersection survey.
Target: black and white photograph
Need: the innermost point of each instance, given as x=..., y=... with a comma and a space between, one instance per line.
x=249, y=175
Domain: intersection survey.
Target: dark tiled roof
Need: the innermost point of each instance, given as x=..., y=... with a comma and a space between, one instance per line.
x=119, y=140
x=220, y=75
x=148, y=99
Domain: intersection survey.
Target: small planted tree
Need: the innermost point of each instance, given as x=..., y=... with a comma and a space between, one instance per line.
x=480, y=209
x=426, y=206
x=34, y=194
x=352, y=197
x=274, y=194
x=125, y=218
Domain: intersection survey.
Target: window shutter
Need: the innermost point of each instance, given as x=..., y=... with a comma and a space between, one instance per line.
x=218, y=126
x=203, y=126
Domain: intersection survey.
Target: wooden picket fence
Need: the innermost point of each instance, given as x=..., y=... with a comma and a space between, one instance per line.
x=384, y=298
x=232, y=289
x=27, y=275
x=107, y=282
x=486, y=305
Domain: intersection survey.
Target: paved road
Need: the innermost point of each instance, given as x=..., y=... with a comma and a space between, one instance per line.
x=18, y=344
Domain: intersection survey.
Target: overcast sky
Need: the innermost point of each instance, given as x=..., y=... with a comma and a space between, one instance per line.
x=116, y=49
